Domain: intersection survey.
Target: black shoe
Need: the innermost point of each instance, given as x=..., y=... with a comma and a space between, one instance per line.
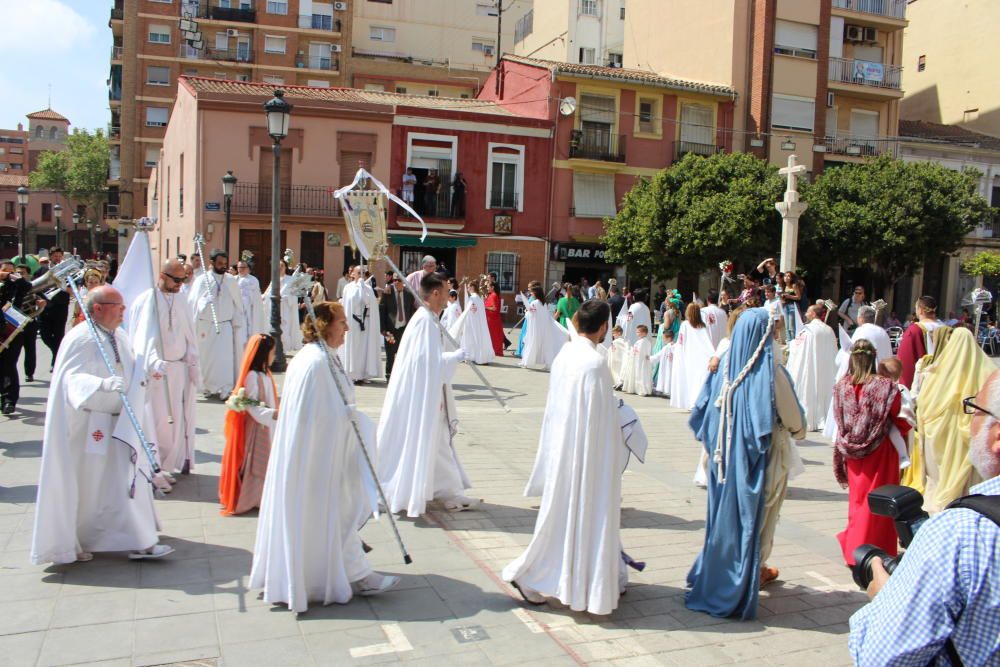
x=29, y=378
x=8, y=409
x=367, y=548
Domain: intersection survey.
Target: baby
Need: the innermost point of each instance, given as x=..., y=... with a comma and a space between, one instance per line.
x=892, y=368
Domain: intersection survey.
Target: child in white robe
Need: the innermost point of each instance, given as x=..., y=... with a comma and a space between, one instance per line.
x=637, y=375
x=665, y=359
x=892, y=368
x=617, y=355
x=452, y=311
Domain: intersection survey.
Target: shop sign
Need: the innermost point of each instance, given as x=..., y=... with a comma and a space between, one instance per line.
x=577, y=252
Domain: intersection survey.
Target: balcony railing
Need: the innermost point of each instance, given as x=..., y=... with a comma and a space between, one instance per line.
x=597, y=145
x=110, y=211
x=861, y=146
x=117, y=13
x=237, y=55
x=895, y=9
x=866, y=73
x=207, y=11
x=319, y=22
x=295, y=199
x=116, y=52
x=439, y=206
x=682, y=148
x=114, y=169
x=320, y=62
x=504, y=199
x=114, y=132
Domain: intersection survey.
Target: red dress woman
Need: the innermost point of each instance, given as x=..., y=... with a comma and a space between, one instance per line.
x=866, y=406
x=493, y=318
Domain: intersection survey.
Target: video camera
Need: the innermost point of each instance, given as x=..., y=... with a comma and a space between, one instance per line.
x=905, y=507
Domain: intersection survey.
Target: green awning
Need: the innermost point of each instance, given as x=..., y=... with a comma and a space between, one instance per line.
x=433, y=241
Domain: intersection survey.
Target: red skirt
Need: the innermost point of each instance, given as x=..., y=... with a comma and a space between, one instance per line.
x=865, y=475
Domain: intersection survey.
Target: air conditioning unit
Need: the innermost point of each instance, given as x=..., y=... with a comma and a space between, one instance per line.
x=871, y=35
x=232, y=32
x=335, y=48
x=854, y=33
x=487, y=50
x=340, y=6
x=829, y=100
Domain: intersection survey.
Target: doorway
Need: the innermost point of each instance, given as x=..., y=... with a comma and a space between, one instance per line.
x=258, y=241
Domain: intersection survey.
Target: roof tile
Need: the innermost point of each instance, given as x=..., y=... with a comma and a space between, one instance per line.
x=950, y=134
x=48, y=114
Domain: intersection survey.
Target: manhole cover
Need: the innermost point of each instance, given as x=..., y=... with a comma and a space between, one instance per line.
x=470, y=633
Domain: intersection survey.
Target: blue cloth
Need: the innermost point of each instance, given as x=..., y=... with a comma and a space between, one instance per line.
x=725, y=579
x=656, y=349
x=524, y=329
x=947, y=585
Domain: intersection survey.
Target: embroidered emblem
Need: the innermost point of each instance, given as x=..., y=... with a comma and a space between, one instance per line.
x=97, y=435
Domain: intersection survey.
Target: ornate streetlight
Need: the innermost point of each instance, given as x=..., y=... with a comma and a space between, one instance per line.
x=58, y=211
x=278, y=113
x=22, y=199
x=228, y=186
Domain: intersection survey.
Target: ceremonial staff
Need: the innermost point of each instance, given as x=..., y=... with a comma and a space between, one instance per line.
x=145, y=225
x=199, y=246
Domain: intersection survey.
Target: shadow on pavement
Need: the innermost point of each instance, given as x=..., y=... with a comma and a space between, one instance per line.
x=23, y=449
x=800, y=493
x=19, y=495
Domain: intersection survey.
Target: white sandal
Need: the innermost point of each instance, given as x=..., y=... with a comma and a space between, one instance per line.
x=462, y=503
x=155, y=551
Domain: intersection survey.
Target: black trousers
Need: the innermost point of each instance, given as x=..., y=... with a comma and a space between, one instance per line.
x=10, y=383
x=392, y=348
x=29, y=340
x=52, y=336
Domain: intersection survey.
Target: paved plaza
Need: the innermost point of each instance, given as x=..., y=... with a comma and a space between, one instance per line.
x=193, y=608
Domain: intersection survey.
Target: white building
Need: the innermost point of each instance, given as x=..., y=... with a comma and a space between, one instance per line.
x=589, y=32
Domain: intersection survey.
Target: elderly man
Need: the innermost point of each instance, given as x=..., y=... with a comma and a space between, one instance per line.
x=215, y=299
x=428, y=265
x=92, y=493
x=165, y=347
x=812, y=364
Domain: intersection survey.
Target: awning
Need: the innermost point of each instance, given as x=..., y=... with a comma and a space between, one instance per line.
x=433, y=241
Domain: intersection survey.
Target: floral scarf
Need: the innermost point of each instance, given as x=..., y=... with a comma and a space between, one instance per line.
x=862, y=421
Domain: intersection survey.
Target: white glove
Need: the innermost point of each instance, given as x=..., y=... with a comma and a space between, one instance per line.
x=114, y=383
x=194, y=375
x=457, y=356
x=158, y=369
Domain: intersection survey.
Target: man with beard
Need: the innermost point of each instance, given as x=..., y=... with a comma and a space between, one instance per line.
x=215, y=300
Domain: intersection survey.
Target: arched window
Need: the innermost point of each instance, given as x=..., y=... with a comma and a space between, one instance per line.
x=54, y=133
x=38, y=131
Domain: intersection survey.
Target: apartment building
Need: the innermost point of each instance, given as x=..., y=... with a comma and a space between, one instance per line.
x=949, y=76
x=14, y=151
x=587, y=32
x=821, y=79
x=430, y=47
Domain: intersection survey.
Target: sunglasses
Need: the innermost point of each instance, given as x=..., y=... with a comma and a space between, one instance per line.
x=970, y=408
x=177, y=280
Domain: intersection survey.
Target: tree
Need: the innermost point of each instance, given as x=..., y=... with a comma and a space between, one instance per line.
x=696, y=213
x=80, y=172
x=889, y=215
x=986, y=263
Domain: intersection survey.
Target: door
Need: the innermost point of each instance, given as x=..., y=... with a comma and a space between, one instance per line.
x=243, y=49
x=265, y=177
x=864, y=130
x=258, y=241
x=319, y=55
x=312, y=245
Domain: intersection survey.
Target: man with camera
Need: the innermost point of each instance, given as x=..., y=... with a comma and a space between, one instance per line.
x=941, y=604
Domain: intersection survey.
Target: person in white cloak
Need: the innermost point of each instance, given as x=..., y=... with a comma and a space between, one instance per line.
x=637, y=377
x=575, y=552
x=253, y=307
x=665, y=359
x=360, y=353
x=471, y=330
x=716, y=320
x=812, y=365
x=618, y=354
x=166, y=348
x=545, y=337
x=452, y=311
x=93, y=491
x=291, y=330
x=318, y=490
x=636, y=314
x=218, y=353
x=417, y=461
x=692, y=351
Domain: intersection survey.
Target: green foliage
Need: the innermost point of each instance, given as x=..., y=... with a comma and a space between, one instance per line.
x=986, y=263
x=80, y=172
x=696, y=213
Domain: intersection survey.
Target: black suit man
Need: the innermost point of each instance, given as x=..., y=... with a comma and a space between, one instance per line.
x=395, y=310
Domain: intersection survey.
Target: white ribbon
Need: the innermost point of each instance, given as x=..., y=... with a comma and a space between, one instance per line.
x=356, y=237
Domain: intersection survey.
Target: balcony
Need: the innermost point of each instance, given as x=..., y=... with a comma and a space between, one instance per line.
x=890, y=9
x=255, y=198
x=504, y=199
x=861, y=147
x=589, y=144
x=990, y=230
x=114, y=132
x=319, y=22
x=206, y=11
x=682, y=148
x=326, y=63
x=118, y=12
x=237, y=55
x=116, y=53
x=874, y=78
x=110, y=212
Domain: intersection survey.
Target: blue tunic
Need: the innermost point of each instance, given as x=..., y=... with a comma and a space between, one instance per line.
x=524, y=330
x=725, y=579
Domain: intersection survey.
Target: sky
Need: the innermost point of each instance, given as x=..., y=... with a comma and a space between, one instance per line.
x=62, y=43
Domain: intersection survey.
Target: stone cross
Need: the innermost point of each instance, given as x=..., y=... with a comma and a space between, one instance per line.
x=790, y=209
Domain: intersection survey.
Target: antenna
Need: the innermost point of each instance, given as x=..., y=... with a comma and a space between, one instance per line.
x=567, y=106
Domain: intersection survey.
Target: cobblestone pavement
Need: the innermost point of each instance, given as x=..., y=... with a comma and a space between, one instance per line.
x=194, y=608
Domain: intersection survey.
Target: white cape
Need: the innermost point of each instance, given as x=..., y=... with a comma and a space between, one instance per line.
x=637, y=375
x=360, y=351
x=291, y=329
x=665, y=357
x=219, y=353
x=716, y=321
x=451, y=314
x=544, y=339
x=628, y=320
x=812, y=365
x=256, y=322
x=317, y=492
x=618, y=356
x=874, y=334
x=472, y=332
x=575, y=551
x=692, y=350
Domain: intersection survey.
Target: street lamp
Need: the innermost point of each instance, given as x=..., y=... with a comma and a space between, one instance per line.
x=22, y=199
x=228, y=186
x=76, y=222
x=58, y=211
x=93, y=242
x=279, y=113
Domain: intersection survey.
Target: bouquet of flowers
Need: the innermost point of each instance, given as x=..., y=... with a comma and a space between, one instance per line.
x=238, y=401
x=726, y=266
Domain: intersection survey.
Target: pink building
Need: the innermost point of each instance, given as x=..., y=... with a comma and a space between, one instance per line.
x=40, y=218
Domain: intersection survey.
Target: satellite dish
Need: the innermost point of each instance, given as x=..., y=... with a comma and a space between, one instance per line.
x=567, y=106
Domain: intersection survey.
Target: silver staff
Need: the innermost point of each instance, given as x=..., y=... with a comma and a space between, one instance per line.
x=299, y=285
x=145, y=225
x=199, y=246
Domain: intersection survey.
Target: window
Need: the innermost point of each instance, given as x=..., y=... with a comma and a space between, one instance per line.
x=378, y=34
x=506, y=172
x=320, y=55
x=594, y=195
x=614, y=60
x=17, y=165
x=697, y=124
x=152, y=156
x=484, y=46
x=621, y=13
x=158, y=76
x=274, y=79
x=219, y=75
x=38, y=132
x=157, y=116
x=485, y=9
x=795, y=39
x=190, y=71
x=8, y=210
x=277, y=6
x=524, y=26
x=921, y=63
x=647, y=112
x=793, y=113
x=401, y=89
x=53, y=133
x=46, y=212
x=504, y=264
x=433, y=93
x=586, y=56
x=159, y=34
x=317, y=83
x=274, y=44
x=589, y=8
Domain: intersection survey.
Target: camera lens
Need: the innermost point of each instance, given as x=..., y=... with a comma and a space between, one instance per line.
x=862, y=569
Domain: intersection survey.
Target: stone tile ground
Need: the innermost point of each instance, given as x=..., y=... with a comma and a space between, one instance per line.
x=452, y=609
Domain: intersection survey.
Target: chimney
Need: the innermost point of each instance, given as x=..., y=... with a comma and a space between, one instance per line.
x=20, y=127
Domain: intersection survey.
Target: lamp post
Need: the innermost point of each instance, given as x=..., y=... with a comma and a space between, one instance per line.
x=93, y=243
x=22, y=199
x=58, y=211
x=278, y=113
x=228, y=186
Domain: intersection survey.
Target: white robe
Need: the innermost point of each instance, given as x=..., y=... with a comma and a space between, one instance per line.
x=360, y=351
x=637, y=377
x=220, y=353
x=617, y=358
x=83, y=490
x=692, y=350
x=874, y=334
x=253, y=308
x=575, y=551
x=416, y=459
x=316, y=492
x=544, y=339
x=174, y=442
x=812, y=365
x=451, y=314
x=472, y=332
x=291, y=328
x=628, y=320
x=665, y=357
x=716, y=321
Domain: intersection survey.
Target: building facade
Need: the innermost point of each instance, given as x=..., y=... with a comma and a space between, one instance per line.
x=586, y=32
x=14, y=151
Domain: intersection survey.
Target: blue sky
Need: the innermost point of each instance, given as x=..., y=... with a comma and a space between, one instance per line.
x=65, y=43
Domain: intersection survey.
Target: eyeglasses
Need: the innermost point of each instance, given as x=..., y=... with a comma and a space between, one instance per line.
x=970, y=408
x=177, y=280
x=111, y=303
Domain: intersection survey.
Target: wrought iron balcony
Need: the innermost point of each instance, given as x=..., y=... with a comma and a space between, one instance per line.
x=114, y=132
x=504, y=199
x=894, y=9
x=315, y=200
x=320, y=62
x=682, y=148
x=319, y=22
x=237, y=55
x=597, y=145
x=117, y=12
x=116, y=52
x=866, y=73
x=207, y=11
x=861, y=146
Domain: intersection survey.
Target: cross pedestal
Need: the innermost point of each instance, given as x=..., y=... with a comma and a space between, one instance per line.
x=790, y=209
